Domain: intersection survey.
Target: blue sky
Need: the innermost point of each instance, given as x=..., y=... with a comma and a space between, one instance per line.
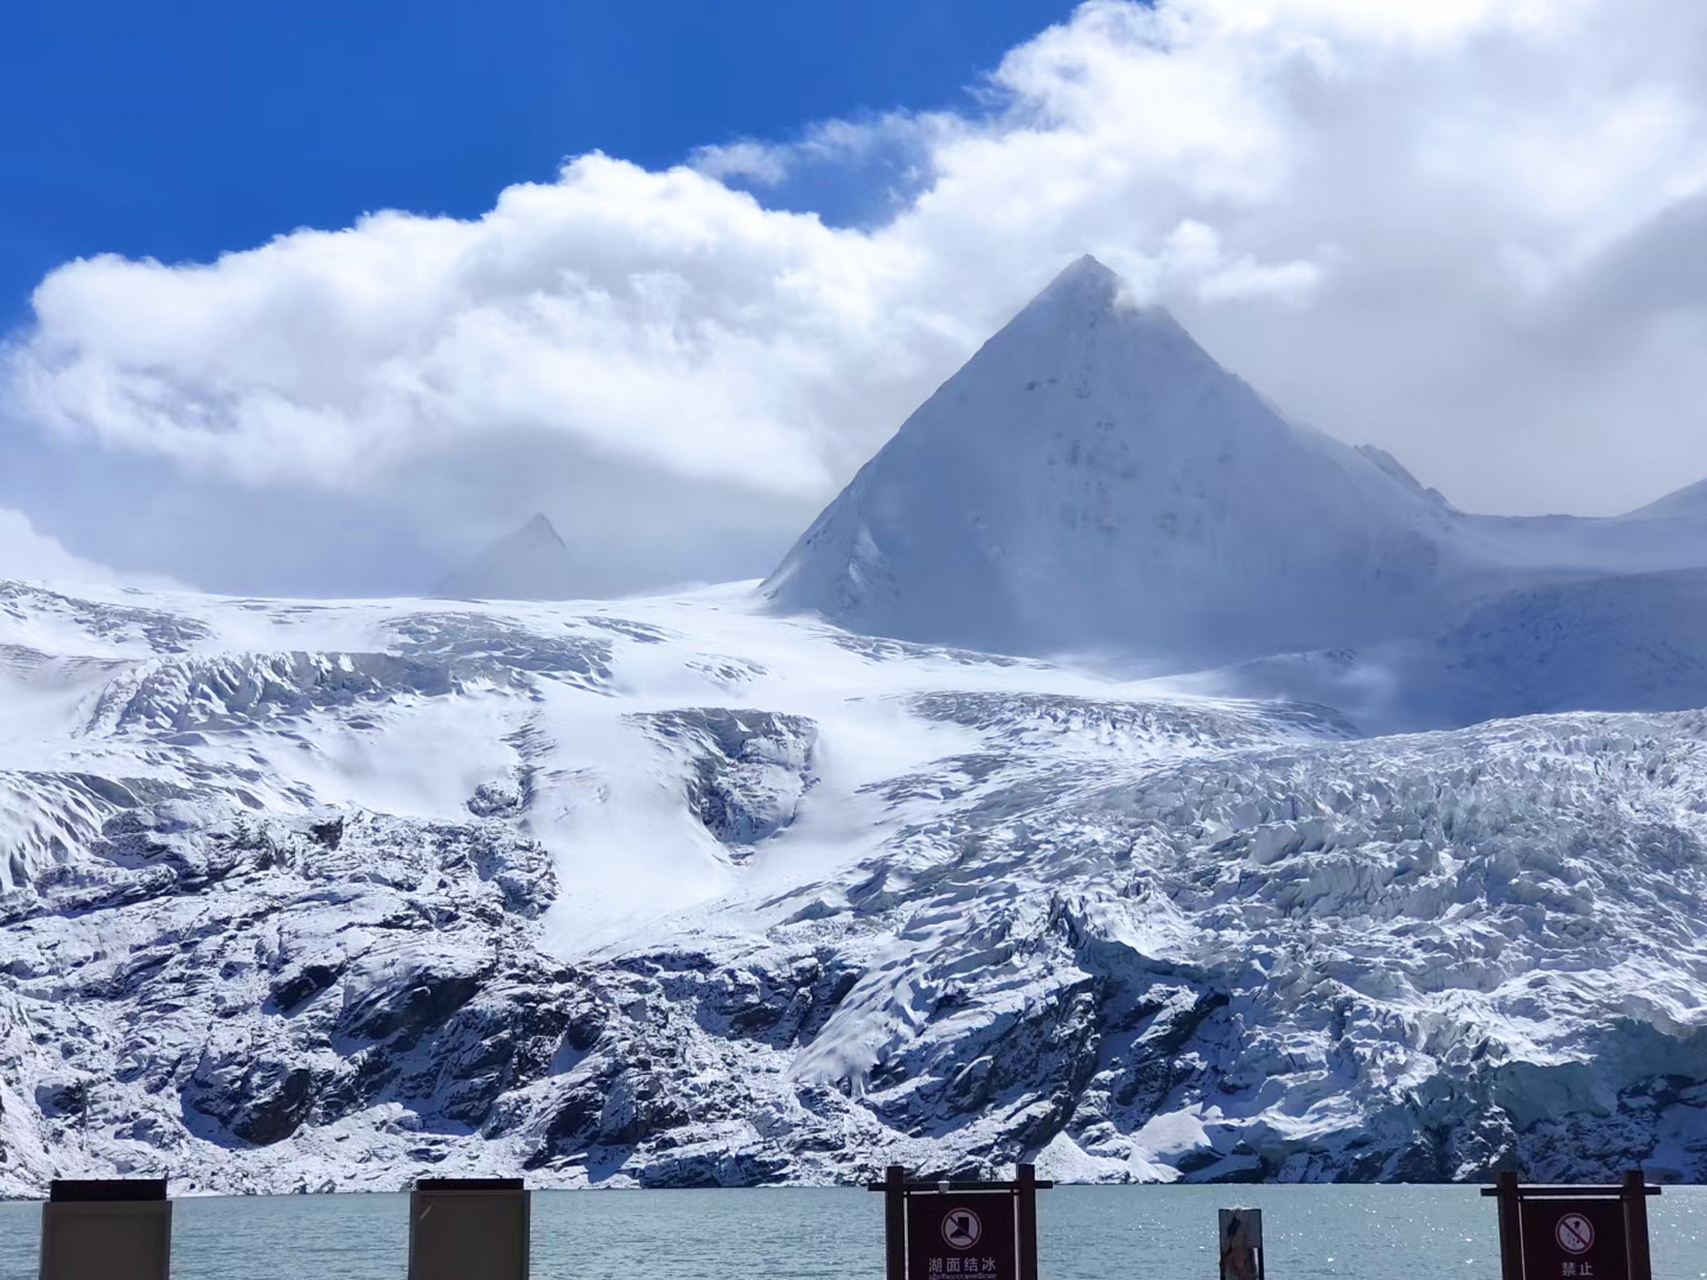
x=181, y=130
x=1472, y=233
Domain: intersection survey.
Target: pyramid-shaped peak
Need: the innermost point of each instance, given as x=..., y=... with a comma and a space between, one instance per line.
x=532, y=563
x=1092, y=478
x=1088, y=290
x=1085, y=281
x=541, y=528
x=1087, y=267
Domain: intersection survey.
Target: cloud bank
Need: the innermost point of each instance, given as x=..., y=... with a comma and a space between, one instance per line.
x=28, y=555
x=1473, y=232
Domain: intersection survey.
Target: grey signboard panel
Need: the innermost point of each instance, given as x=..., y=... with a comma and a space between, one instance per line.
x=115, y=1230
x=469, y=1230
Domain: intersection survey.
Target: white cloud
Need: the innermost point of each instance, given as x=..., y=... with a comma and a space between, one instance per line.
x=1403, y=221
x=29, y=556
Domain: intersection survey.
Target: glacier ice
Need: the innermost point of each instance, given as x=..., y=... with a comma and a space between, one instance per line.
x=1355, y=837
x=676, y=892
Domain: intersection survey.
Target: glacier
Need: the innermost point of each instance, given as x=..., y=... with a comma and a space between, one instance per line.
x=1116, y=776
x=303, y=896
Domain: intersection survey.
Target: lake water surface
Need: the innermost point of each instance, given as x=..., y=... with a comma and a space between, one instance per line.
x=1086, y=1233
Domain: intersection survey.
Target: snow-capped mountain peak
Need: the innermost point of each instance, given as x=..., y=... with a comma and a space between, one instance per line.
x=533, y=563
x=1086, y=285
x=300, y=895
x=538, y=528
x=1092, y=477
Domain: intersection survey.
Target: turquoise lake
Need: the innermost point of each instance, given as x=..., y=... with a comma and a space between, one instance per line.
x=1086, y=1233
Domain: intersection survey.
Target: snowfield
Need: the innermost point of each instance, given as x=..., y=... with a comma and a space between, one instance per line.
x=676, y=892
x=1398, y=874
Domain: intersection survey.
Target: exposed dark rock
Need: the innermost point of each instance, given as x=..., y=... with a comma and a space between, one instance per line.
x=291, y=990
x=749, y=768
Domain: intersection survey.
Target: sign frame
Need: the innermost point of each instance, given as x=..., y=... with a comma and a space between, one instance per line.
x=453, y=1221
x=1239, y=1244
x=1522, y=1258
x=106, y=1229
x=1018, y=1198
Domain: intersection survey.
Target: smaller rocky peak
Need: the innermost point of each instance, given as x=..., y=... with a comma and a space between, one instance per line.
x=539, y=529
x=533, y=563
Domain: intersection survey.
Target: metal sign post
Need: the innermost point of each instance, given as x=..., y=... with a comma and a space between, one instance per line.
x=468, y=1229
x=938, y=1230
x=1574, y=1233
x=1241, y=1244
x=117, y=1229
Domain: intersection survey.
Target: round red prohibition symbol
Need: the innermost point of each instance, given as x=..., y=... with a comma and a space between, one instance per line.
x=1574, y=1233
x=961, y=1228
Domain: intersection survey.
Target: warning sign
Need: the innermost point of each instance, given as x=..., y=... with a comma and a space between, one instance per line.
x=1574, y=1232
x=962, y=1228
x=1573, y=1239
x=961, y=1234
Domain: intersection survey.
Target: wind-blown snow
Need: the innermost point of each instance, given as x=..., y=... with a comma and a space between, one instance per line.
x=676, y=892
x=1618, y=642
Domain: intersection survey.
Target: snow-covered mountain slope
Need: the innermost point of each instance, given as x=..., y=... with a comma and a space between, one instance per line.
x=1091, y=478
x=530, y=564
x=1625, y=642
x=1670, y=534
x=675, y=891
x=1092, y=482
